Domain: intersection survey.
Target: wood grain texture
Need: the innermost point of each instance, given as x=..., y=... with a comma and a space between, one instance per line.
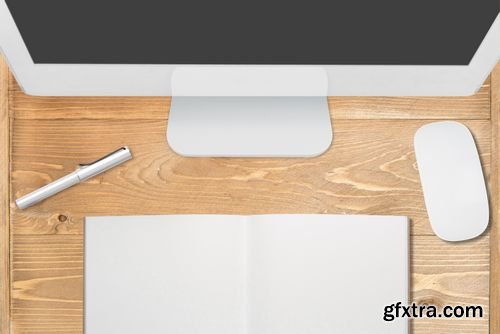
x=48, y=282
x=471, y=107
x=47, y=278
x=495, y=200
x=446, y=273
x=4, y=199
x=370, y=169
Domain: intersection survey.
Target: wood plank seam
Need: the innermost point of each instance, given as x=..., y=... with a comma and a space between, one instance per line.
x=342, y=181
x=495, y=199
x=5, y=239
x=147, y=108
x=33, y=274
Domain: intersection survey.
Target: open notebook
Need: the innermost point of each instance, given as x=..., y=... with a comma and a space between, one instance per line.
x=268, y=274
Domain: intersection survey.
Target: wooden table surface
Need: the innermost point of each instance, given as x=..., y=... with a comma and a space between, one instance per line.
x=370, y=169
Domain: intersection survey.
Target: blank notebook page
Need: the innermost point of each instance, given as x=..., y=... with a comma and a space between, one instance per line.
x=326, y=274
x=269, y=274
x=169, y=275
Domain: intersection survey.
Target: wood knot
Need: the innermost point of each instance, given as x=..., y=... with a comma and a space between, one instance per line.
x=430, y=301
x=62, y=218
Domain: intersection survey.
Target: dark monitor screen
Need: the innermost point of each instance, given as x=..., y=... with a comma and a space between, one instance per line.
x=319, y=32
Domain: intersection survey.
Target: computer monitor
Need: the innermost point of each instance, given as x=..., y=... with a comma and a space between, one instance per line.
x=250, y=78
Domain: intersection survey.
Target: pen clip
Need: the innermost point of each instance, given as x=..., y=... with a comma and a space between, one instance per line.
x=102, y=158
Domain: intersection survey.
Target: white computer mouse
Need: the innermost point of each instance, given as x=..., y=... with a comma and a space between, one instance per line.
x=452, y=180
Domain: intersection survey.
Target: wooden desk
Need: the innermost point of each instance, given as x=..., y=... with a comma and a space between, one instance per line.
x=370, y=169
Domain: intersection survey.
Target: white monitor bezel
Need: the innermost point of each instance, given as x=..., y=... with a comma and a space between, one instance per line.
x=259, y=80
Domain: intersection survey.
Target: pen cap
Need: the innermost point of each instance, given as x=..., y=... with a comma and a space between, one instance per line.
x=107, y=162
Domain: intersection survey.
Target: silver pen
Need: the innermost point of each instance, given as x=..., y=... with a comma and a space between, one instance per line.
x=84, y=172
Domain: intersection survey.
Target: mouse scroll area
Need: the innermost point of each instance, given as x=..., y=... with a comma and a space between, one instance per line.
x=452, y=180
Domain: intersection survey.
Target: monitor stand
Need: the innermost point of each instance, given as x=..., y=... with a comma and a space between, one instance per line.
x=249, y=126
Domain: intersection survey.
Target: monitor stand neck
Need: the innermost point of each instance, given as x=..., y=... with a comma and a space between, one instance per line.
x=249, y=126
